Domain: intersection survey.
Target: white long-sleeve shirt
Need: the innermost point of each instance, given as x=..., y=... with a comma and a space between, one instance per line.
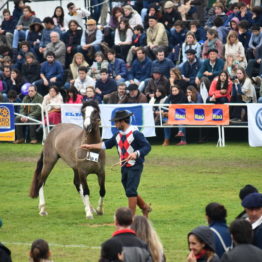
x=79, y=16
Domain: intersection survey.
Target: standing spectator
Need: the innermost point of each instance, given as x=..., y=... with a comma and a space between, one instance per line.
x=57, y=47
x=212, y=42
x=156, y=35
x=112, y=251
x=31, y=68
x=134, y=96
x=33, y=112
x=146, y=232
x=7, y=28
x=133, y=16
x=58, y=17
x=220, y=89
x=75, y=13
x=116, y=96
x=51, y=73
x=117, y=68
x=190, y=43
x=91, y=40
x=83, y=80
x=235, y=48
x=201, y=244
x=170, y=15
x=253, y=207
x=99, y=64
x=40, y=251
x=243, y=251
x=216, y=218
x=123, y=38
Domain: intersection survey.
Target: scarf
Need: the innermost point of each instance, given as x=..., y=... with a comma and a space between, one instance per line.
x=180, y=98
x=201, y=254
x=211, y=44
x=122, y=35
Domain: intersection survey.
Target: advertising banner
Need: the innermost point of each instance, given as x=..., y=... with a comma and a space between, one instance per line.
x=7, y=123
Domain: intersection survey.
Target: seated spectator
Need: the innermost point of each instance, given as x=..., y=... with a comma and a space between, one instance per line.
x=30, y=69
x=234, y=24
x=35, y=35
x=164, y=64
x=17, y=80
x=212, y=42
x=235, y=48
x=51, y=73
x=244, y=34
x=134, y=248
x=132, y=15
x=83, y=81
x=5, y=61
x=91, y=95
x=220, y=89
x=72, y=39
x=146, y=232
x=58, y=18
x=75, y=13
x=210, y=68
x=190, y=68
x=99, y=64
x=123, y=39
x=111, y=251
x=117, y=14
x=105, y=85
x=219, y=12
x=7, y=29
x=91, y=40
x=190, y=43
x=243, y=251
x=233, y=12
x=176, y=96
x=243, y=92
x=253, y=207
x=178, y=35
x=255, y=42
x=246, y=190
x=170, y=15
x=40, y=251
x=198, y=30
x=22, y=26
x=72, y=96
x=216, y=218
x=116, y=68
x=78, y=61
x=51, y=105
x=134, y=96
x=201, y=244
x=18, y=9
x=257, y=15
x=244, y=13
x=57, y=47
x=156, y=36
x=6, y=80
x=222, y=31
x=116, y=96
x=193, y=96
x=12, y=97
x=20, y=58
x=5, y=253
x=157, y=80
x=176, y=78
x=153, y=10
x=138, y=40
x=141, y=69
x=33, y=112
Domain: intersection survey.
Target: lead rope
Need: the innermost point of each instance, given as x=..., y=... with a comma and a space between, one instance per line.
x=120, y=162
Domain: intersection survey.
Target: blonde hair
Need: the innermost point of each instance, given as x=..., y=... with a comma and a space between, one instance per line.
x=146, y=232
x=177, y=72
x=232, y=33
x=192, y=34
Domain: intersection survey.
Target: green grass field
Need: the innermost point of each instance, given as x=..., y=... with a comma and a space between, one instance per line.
x=177, y=181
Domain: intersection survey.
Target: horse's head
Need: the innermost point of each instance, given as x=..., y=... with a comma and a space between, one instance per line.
x=91, y=115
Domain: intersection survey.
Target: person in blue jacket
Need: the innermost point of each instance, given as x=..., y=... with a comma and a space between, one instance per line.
x=132, y=148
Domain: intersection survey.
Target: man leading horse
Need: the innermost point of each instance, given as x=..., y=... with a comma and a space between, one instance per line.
x=132, y=147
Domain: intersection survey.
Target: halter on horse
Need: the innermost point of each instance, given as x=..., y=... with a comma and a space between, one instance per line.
x=82, y=162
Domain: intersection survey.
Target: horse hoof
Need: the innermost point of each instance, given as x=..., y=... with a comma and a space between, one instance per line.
x=99, y=212
x=89, y=217
x=43, y=213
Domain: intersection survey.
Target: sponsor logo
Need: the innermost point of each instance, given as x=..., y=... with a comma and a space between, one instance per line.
x=5, y=119
x=217, y=114
x=259, y=119
x=199, y=114
x=180, y=114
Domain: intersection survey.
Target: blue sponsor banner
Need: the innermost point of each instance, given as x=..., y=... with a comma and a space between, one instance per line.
x=180, y=114
x=7, y=123
x=199, y=114
x=217, y=114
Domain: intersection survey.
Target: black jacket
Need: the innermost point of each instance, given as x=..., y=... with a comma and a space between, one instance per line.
x=31, y=72
x=5, y=254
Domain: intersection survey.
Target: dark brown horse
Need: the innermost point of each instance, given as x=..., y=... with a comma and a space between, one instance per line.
x=64, y=142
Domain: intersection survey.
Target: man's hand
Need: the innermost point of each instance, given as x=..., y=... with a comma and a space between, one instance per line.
x=45, y=82
x=53, y=79
x=118, y=77
x=24, y=119
x=98, y=91
x=132, y=156
x=86, y=146
x=85, y=47
x=197, y=81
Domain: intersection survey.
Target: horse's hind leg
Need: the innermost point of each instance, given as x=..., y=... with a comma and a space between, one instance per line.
x=102, y=192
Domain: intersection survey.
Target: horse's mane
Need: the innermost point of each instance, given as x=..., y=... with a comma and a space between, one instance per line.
x=90, y=103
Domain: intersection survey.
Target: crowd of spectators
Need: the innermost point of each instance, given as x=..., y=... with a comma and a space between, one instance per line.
x=147, y=51
x=135, y=238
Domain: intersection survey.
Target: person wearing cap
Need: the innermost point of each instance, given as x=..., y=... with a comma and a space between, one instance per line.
x=170, y=15
x=243, y=250
x=156, y=35
x=75, y=13
x=253, y=207
x=190, y=68
x=210, y=68
x=90, y=40
x=134, y=96
x=201, y=243
x=132, y=148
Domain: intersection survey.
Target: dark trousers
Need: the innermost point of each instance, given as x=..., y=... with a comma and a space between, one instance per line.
x=42, y=89
x=253, y=67
x=220, y=100
x=19, y=130
x=131, y=178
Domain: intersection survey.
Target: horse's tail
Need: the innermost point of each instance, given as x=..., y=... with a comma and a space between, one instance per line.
x=35, y=186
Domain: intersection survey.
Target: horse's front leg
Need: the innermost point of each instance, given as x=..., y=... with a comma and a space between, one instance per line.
x=102, y=192
x=41, y=206
x=84, y=192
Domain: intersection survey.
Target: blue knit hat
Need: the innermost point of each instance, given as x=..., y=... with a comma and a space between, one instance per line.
x=253, y=200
